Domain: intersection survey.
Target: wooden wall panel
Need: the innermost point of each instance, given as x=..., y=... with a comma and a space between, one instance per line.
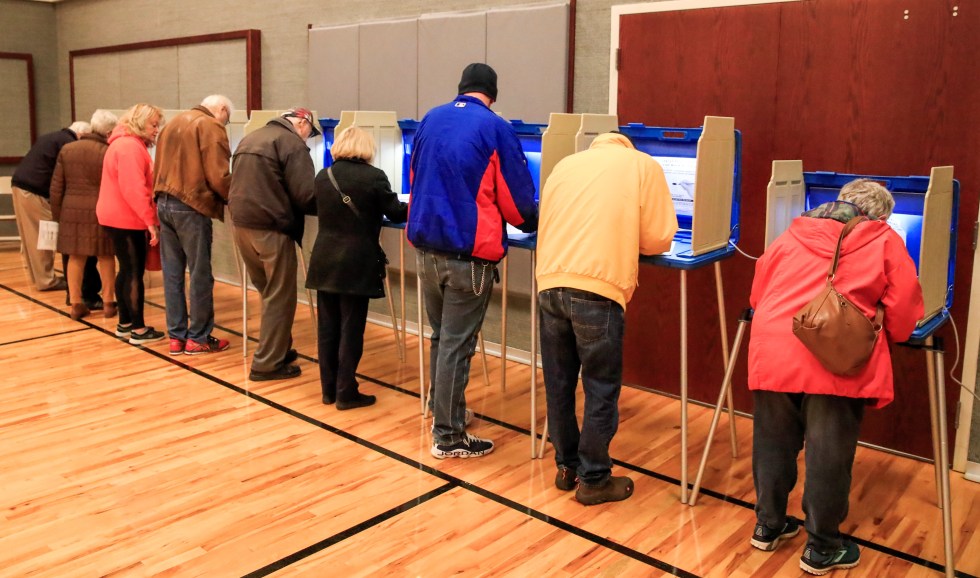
x=17, y=121
x=844, y=85
x=676, y=68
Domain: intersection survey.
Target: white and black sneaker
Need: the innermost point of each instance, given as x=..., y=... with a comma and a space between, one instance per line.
x=468, y=447
x=767, y=539
x=148, y=336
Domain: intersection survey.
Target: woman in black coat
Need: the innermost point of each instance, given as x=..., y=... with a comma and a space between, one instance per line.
x=347, y=266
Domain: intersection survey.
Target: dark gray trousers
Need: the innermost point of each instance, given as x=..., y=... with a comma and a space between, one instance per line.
x=828, y=426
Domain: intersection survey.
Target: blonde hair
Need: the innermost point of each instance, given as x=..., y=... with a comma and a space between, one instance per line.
x=136, y=119
x=872, y=198
x=353, y=143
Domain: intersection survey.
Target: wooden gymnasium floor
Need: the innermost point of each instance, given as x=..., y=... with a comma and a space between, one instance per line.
x=123, y=460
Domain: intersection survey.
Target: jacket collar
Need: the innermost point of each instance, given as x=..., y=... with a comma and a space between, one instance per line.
x=204, y=110
x=470, y=99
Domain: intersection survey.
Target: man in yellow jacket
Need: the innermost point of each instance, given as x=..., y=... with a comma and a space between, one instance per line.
x=600, y=209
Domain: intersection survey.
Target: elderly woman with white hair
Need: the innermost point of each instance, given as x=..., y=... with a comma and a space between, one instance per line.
x=74, y=195
x=799, y=402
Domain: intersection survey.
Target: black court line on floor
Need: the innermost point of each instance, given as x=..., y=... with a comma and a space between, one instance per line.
x=25, y=340
x=589, y=536
x=352, y=531
x=911, y=558
x=639, y=556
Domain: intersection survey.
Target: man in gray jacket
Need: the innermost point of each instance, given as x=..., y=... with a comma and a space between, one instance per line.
x=271, y=191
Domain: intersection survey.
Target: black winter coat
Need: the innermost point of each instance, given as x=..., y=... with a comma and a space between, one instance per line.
x=346, y=257
x=34, y=173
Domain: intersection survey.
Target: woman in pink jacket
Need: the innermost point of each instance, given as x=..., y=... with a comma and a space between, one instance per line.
x=797, y=401
x=127, y=212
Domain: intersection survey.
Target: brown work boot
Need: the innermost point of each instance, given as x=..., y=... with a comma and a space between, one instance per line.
x=565, y=479
x=613, y=489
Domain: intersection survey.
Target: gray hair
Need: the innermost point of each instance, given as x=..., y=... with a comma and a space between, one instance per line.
x=869, y=196
x=103, y=122
x=80, y=127
x=216, y=102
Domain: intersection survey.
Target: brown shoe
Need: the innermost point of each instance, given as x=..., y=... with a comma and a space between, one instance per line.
x=78, y=310
x=565, y=479
x=109, y=309
x=613, y=490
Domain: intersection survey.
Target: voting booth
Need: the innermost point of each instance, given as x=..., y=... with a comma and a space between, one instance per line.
x=925, y=217
x=703, y=170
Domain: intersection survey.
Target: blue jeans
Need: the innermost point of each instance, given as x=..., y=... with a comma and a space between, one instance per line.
x=828, y=425
x=457, y=293
x=185, y=243
x=582, y=330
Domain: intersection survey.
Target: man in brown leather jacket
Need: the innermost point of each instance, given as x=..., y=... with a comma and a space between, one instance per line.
x=192, y=180
x=271, y=192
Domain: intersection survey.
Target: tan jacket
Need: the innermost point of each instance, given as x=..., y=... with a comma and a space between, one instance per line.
x=600, y=209
x=192, y=162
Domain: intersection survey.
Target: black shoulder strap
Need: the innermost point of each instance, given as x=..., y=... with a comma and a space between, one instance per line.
x=346, y=199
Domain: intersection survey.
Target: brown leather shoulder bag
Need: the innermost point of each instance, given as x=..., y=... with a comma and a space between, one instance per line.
x=833, y=329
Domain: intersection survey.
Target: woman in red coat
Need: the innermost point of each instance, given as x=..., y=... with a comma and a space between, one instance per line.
x=797, y=401
x=127, y=211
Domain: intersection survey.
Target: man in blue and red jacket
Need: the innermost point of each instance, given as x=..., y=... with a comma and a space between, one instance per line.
x=469, y=176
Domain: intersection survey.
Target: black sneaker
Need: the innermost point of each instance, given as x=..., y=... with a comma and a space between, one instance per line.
x=765, y=538
x=148, y=336
x=613, y=489
x=468, y=447
x=847, y=556
x=565, y=479
x=285, y=372
x=124, y=330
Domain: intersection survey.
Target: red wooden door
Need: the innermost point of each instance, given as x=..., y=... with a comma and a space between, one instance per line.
x=856, y=86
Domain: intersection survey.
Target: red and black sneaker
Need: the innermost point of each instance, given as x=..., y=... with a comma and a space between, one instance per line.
x=213, y=345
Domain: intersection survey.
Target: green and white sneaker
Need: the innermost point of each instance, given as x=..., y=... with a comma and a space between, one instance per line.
x=847, y=556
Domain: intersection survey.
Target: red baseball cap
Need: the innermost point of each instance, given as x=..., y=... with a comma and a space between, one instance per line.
x=306, y=115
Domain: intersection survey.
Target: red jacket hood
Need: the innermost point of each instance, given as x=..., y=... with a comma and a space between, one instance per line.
x=819, y=236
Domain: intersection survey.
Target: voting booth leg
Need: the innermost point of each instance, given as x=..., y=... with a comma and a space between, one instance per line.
x=683, y=386
x=724, y=356
x=726, y=390
x=503, y=324
x=937, y=405
x=401, y=291
x=421, y=332
x=240, y=262
x=394, y=320
x=534, y=353
x=309, y=293
x=935, y=415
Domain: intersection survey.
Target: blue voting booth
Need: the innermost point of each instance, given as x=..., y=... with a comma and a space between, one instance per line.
x=677, y=151
x=907, y=219
x=925, y=217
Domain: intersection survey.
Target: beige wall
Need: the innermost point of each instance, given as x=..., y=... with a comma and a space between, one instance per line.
x=91, y=23
x=29, y=27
